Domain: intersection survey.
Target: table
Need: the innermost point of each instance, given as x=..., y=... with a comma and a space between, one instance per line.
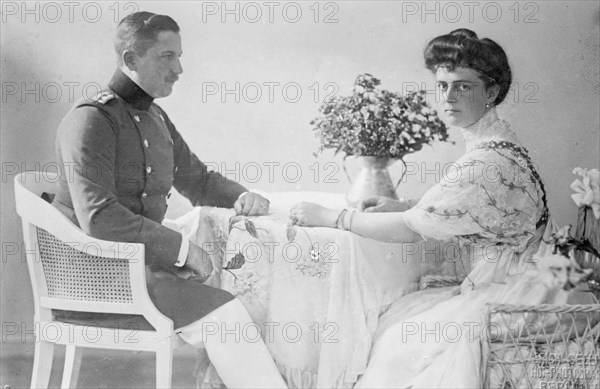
x=316, y=298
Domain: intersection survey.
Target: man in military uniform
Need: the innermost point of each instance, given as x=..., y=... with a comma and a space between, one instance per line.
x=125, y=155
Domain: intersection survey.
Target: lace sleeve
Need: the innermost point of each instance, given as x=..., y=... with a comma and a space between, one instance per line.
x=491, y=194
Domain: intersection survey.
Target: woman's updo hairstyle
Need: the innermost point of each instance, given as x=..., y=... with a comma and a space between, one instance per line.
x=462, y=48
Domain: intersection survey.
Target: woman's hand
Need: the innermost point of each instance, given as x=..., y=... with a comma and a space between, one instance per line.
x=313, y=215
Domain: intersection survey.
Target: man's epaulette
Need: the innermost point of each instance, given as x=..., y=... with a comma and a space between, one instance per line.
x=103, y=97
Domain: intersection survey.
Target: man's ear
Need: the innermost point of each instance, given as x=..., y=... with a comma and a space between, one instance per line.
x=492, y=93
x=129, y=59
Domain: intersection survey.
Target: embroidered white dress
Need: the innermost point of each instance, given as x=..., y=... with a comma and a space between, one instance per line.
x=493, y=201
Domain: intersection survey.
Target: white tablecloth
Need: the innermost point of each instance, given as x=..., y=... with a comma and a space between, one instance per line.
x=316, y=315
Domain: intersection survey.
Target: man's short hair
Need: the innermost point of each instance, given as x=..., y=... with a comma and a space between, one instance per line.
x=138, y=32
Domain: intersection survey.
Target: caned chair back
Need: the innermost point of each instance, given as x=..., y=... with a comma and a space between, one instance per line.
x=73, y=271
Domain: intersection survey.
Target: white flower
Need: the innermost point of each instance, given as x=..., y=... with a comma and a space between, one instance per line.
x=587, y=188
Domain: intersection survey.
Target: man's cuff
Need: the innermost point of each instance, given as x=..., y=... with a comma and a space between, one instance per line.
x=185, y=243
x=183, y=252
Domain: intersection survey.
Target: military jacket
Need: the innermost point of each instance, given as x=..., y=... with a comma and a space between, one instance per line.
x=121, y=155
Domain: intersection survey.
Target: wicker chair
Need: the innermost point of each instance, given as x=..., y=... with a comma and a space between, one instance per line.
x=72, y=271
x=546, y=345
x=542, y=346
x=539, y=346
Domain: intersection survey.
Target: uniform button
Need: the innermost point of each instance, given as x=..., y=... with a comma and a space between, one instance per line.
x=146, y=143
x=149, y=170
x=137, y=118
x=144, y=195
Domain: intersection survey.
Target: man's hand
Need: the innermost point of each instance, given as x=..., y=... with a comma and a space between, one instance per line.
x=383, y=204
x=251, y=204
x=198, y=266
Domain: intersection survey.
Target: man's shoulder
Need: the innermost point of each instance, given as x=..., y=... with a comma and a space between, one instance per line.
x=104, y=104
x=104, y=98
x=90, y=112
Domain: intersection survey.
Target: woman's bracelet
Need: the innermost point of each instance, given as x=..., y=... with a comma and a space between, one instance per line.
x=352, y=212
x=339, y=222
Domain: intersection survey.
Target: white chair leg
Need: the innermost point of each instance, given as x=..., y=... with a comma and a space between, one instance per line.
x=164, y=367
x=42, y=364
x=72, y=364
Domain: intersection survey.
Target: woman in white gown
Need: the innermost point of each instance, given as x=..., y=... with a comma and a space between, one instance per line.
x=492, y=200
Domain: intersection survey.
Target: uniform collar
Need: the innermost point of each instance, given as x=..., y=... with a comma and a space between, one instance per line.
x=129, y=91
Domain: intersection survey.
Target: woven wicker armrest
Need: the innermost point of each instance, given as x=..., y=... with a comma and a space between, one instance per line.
x=529, y=346
x=438, y=281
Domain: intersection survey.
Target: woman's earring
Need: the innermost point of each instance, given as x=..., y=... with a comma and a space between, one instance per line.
x=487, y=105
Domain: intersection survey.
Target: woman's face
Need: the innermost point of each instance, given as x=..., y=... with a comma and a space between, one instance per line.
x=462, y=96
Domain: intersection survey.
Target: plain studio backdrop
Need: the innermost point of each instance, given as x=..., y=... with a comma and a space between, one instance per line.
x=255, y=74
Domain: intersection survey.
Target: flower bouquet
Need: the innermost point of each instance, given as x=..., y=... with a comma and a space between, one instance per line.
x=380, y=125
